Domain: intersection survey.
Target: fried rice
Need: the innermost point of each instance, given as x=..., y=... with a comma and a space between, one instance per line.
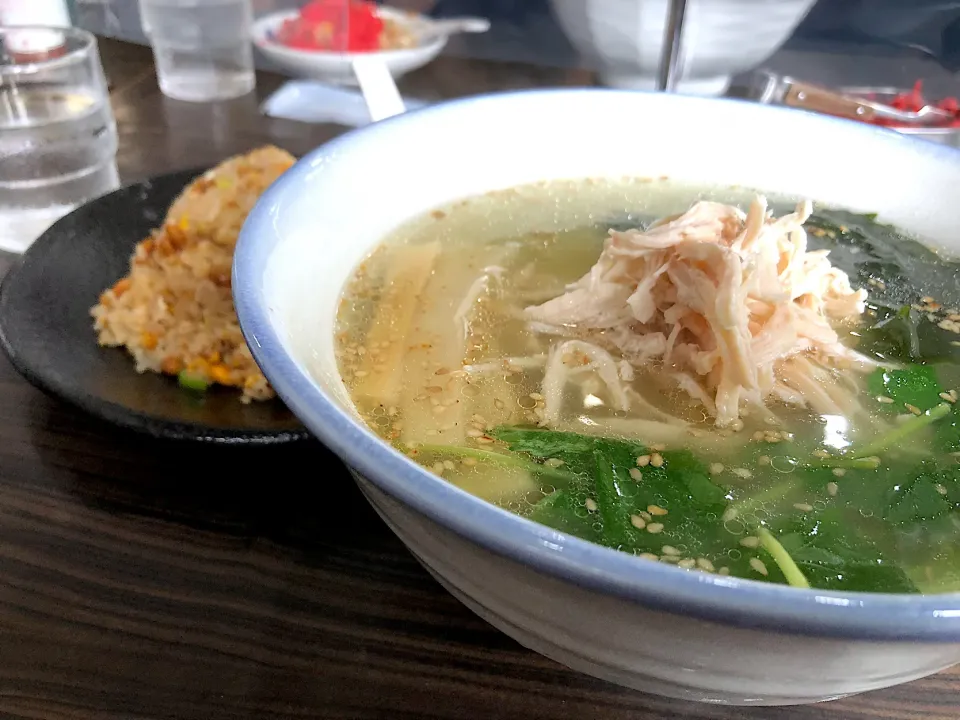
x=174, y=311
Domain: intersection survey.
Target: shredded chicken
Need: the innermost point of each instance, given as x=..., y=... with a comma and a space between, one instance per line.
x=722, y=298
x=571, y=358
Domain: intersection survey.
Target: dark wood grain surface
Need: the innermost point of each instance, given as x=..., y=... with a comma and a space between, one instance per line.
x=143, y=580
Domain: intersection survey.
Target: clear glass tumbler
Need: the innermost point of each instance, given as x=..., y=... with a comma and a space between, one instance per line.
x=202, y=48
x=58, y=139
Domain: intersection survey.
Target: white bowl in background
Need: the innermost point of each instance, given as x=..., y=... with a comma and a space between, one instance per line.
x=335, y=67
x=642, y=624
x=720, y=38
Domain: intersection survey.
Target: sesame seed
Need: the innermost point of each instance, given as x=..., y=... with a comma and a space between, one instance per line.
x=360, y=373
x=737, y=425
x=832, y=489
x=645, y=515
x=648, y=556
x=654, y=528
x=474, y=433
x=656, y=460
x=757, y=564
x=820, y=453
x=742, y=473
x=643, y=460
x=590, y=504
x=723, y=571
x=913, y=408
x=469, y=462
x=669, y=550
x=716, y=468
x=553, y=462
x=839, y=472
x=729, y=514
x=705, y=564
x=656, y=510
x=535, y=396
x=750, y=541
x=658, y=447
x=448, y=465
x=803, y=507
x=884, y=399
x=764, y=460
x=947, y=396
x=438, y=468
x=638, y=522
x=636, y=474
x=687, y=563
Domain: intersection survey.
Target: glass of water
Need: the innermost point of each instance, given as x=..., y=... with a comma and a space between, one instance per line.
x=58, y=139
x=202, y=48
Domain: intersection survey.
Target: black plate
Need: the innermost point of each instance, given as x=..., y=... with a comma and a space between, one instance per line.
x=47, y=332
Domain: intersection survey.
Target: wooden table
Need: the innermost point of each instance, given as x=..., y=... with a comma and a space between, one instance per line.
x=142, y=579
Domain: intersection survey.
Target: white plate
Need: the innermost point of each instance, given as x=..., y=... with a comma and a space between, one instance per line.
x=336, y=67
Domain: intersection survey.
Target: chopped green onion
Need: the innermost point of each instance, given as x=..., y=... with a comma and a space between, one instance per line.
x=192, y=382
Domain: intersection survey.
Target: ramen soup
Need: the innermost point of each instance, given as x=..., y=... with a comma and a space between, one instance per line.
x=700, y=377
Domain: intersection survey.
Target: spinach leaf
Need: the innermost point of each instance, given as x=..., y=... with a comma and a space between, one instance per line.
x=681, y=486
x=948, y=432
x=894, y=337
x=931, y=556
x=833, y=557
x=545, y=444
x=875, y=534
x=615, y=502
x=915, y=385
x=924, y=493
x=562, y=510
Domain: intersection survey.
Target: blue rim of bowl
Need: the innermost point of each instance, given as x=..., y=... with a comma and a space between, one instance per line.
x=726, y=600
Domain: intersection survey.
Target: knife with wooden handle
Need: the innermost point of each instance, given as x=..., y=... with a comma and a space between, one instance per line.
x=812, y=97
x=774, y=89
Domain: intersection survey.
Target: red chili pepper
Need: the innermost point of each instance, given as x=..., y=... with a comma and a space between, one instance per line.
x=913, y=101
x=334, y=25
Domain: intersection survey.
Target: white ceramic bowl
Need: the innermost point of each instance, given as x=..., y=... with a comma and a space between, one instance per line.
x=334, y=67
x=638, y=623
x=720, y=38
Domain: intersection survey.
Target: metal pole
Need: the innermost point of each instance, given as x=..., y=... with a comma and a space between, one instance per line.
x=669, y=70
